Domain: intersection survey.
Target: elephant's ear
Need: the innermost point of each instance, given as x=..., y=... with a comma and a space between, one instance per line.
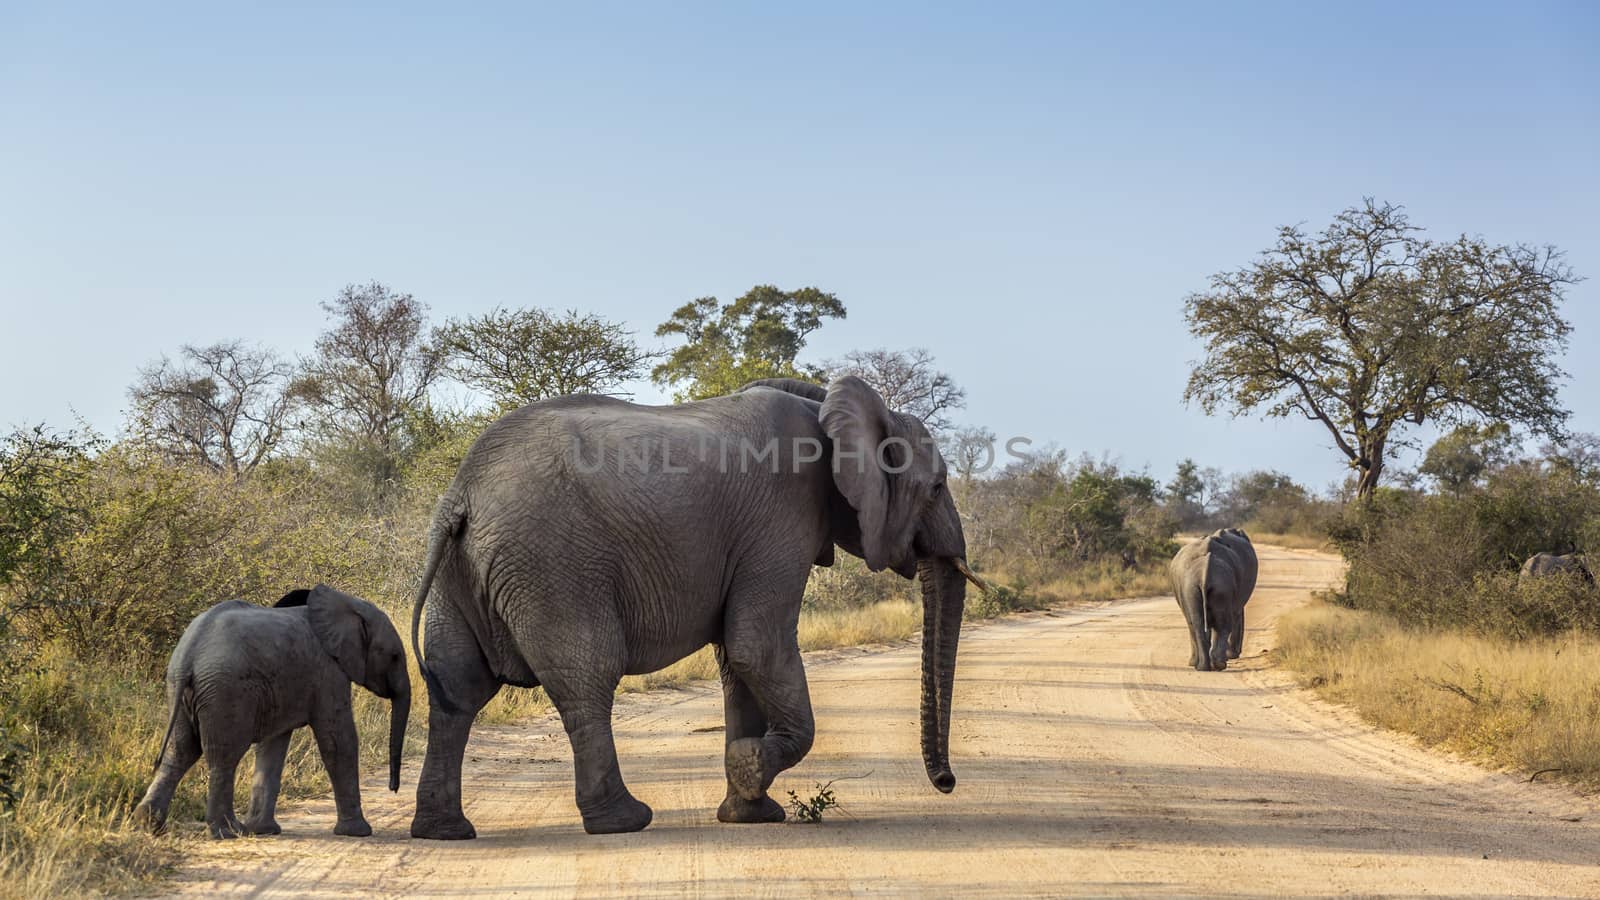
x=857, y=420
x=341, y=629
x=297, y=597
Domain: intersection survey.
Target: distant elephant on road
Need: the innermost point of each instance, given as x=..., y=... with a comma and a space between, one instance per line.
x=1212, y=578
x=1542, y=564
x=245, y=674
x=585, y=538
x=1239, y=542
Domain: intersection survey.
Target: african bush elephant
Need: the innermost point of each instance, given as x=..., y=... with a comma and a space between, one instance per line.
x=244, y=674
x=1542, y=564
x=585, y=538
x=1239, y=542
x=1212, y=578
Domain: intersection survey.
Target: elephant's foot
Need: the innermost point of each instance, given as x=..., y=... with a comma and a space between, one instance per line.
x=149, y=817
x=618, y=817
x=262, y=828
x=737, y=810
x=357, y=827
x=437, y=827
x=746, y=769
x=224, y=830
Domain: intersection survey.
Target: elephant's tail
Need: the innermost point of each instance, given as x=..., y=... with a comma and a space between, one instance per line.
x=182, y=700
x=446, y=526
x=1205, y=605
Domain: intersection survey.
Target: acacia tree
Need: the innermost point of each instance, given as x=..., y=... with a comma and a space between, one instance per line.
x=726, y=346
x=371, y=370
x=1459, y=459
x=224, y=406
x=1368, y=328
x=518, y=356
x=969, y=451
x=908, y=381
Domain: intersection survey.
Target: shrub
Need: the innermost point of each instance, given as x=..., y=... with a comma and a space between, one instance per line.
x=1451, y=560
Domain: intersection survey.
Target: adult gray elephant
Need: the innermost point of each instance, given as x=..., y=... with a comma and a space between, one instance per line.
x=244, y=674
x=1212, y=579
x=1239, y=543
x=1542, y=564
x=585, y=538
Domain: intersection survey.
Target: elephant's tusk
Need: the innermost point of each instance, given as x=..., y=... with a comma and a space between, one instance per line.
x=961, y=566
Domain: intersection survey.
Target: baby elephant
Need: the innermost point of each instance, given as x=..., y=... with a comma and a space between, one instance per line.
x=244, y=674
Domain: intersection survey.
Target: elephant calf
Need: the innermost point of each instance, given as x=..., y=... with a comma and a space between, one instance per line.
x=1213, y=578
x=244, y=674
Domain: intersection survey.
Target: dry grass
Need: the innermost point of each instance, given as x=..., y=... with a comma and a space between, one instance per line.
x=1529, y=705
x=1106, y=580
x=53, y=846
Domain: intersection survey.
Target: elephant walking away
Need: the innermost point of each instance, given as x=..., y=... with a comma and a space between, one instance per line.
x=244, y=674
x=585, y=538
x=1212, y=578
x=1239, y=543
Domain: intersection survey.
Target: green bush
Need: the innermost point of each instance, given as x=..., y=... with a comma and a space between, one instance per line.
x=1451, y=560
x=998, y=601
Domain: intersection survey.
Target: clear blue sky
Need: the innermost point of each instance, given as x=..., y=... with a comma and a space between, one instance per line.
x=1027, y=191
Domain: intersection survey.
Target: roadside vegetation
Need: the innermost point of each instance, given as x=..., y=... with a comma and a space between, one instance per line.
x=1434, y=632
x=1370, y=329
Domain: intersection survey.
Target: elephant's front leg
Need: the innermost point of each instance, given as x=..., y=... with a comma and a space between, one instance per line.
x=776, y=678
x=340, y=748
x=743, y=718
x=262, y=815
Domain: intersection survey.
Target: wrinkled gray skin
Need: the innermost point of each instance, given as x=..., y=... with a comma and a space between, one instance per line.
x=1541, y=564
x=1239, y=543
x=244, y=674
x=551, y=565
x=1213, y=578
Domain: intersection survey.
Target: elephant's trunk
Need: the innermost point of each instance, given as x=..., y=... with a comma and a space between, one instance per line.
x=399, y=712
x=944, y=593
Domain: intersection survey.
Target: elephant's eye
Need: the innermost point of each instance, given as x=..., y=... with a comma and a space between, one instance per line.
x=938, y=488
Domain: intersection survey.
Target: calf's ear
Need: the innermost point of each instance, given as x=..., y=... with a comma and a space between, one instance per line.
x=341, y=629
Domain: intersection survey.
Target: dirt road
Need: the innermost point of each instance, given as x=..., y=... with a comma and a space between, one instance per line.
x=1091, y=762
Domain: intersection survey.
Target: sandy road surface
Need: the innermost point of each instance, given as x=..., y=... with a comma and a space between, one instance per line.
x=1090, y=763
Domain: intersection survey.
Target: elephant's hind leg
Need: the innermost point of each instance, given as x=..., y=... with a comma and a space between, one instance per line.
x=580, y=667
x=261, y=818
x=181, y=753
x=459, y=666
x=744, y=720
x=1236, y=639
x=224, y=748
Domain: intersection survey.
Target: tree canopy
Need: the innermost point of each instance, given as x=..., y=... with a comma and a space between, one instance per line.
x=726, y=346
x=224, y=406
x=518, y=356
x=1368, y=328
x=908, y=381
